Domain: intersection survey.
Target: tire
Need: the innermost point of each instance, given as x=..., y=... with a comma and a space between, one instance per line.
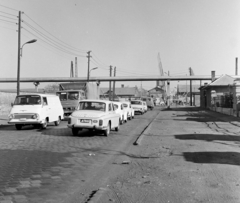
x=57, y=122
x=130, y=117
x=44, y=125
x=107, y=131
x=117, y=128
x=75, y=131
x=121, y=120
x=18, y=126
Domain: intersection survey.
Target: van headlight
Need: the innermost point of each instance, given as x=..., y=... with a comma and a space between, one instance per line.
x=35, y=116
x=11, y=116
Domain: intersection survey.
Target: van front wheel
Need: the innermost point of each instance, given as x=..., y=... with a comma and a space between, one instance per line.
x=18, y=126
x=44, y=125
x=57, y=122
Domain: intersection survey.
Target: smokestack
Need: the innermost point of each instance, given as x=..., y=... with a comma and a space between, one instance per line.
x=76, y=68
x=236, y=70
x=213, y=76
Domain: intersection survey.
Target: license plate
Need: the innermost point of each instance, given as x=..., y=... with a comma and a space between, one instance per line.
x=22, y=119
x=84, y=120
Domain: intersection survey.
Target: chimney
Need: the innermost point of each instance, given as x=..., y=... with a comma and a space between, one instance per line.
x=213, y=76
x=122, y=85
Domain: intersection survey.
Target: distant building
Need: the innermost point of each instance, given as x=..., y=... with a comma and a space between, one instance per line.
x=122, y=92
x=156, y=92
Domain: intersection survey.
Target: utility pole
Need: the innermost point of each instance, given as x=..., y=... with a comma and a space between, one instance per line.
x=88, y=56
x=19, y=52
x=114, y=74
x=110, y=84
x=168, y=92
x=76, y=68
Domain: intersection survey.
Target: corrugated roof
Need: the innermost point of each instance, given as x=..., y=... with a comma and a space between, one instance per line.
x=224, y=80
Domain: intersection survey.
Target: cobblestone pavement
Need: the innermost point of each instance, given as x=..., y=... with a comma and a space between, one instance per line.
x=44, y=165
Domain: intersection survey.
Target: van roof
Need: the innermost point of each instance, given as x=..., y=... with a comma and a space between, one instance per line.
x=42, y=95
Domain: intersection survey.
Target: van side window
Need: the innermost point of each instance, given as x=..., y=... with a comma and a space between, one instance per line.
x=45, y=101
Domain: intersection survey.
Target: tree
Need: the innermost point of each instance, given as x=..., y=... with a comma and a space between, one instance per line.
x=52, y=88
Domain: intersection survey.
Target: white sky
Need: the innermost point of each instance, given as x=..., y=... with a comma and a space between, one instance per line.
x=128, y=34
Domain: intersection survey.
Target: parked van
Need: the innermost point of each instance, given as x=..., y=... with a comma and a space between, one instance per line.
x=36, y=109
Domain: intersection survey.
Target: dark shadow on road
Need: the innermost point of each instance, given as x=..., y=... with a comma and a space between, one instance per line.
x=230, y=158
x=68, y=132
x=182, y=108
x=208, y=137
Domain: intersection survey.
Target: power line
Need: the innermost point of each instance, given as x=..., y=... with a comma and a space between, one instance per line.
x=7, y=21
x=8, y=13
x=8, y=28
x=49, y=39
x=69, y=46
x=68, y=52
x=8, y=17
x=8, y=8
x=52, y=50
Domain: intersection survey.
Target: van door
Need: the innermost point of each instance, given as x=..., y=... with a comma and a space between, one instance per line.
x=46, y=109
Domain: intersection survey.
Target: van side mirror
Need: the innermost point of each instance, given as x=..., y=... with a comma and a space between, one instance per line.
x=11, y=104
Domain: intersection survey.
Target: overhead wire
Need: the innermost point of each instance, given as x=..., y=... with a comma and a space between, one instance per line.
x=47, y=38
x=8, y=7
x=8, y=28
x=65, y=44
x=57, y=52
x=7, y=21
x=8, y=13
x=8, y=17
x=70, y=53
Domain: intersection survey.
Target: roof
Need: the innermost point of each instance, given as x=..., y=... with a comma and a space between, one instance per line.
x=224, y=80
x=120, y=90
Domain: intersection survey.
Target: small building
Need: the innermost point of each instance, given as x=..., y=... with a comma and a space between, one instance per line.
x=157, y=92
x=218, y=93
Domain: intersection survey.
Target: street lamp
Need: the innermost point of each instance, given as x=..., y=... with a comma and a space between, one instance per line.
x=19, y=58
x=91, y=70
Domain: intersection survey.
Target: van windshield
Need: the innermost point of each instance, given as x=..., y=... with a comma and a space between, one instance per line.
x=28, y=100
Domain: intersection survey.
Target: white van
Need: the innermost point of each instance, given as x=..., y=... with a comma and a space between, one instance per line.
x=36, y=109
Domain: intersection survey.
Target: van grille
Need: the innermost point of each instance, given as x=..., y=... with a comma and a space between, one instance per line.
x=27, y=116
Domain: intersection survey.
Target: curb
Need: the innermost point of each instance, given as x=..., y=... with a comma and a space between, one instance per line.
x=145, y=130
